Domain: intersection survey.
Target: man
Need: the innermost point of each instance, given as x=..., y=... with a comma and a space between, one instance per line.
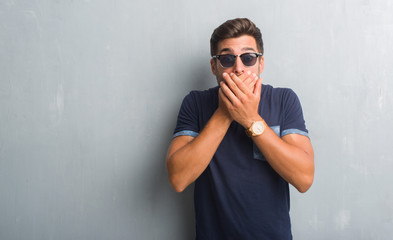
x=242, y=143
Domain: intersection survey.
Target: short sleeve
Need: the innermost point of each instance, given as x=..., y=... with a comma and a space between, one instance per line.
x=187, y=119
x=293, y=120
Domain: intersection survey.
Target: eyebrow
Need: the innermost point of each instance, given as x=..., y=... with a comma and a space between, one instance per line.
x=243, y=49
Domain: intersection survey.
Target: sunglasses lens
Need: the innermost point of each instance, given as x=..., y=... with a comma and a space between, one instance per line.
x=227, y=60
x=249, y=59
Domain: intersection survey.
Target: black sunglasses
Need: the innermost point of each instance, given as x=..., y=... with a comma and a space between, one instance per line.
x=228, y=60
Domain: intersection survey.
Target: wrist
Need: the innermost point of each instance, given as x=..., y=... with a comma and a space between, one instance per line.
x=248, y=122
x=224, y=116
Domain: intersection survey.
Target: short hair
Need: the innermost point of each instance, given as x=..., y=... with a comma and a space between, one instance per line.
x=235, y=28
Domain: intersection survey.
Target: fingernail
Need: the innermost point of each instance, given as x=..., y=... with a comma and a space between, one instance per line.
x=248, y=72
x=224, y=74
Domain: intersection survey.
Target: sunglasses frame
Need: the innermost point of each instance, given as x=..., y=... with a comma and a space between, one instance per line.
x=235, y=56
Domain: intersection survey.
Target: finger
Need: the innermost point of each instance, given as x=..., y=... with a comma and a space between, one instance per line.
x=243, y=77
x=227, y=93
x=244, y=86
x=221, y=94
x=232, y=82
x=224, y=100
x=238, y=87
x=250, y=81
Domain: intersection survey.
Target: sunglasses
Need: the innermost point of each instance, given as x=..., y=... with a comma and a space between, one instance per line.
x=228, y=60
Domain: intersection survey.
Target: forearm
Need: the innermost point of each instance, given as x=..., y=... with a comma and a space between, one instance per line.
x=186, y=162
x=292, y=157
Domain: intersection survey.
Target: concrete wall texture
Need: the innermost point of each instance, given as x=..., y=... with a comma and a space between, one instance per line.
x=90, y=90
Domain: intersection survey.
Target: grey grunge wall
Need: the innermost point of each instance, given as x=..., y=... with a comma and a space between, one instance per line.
x=90, y=90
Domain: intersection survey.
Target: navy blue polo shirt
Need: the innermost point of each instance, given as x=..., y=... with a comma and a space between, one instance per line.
x=239, y=196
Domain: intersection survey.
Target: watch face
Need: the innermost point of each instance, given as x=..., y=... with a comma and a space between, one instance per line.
x=258, y=127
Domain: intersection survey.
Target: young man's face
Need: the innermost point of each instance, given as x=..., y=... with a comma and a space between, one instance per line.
x=237, y=46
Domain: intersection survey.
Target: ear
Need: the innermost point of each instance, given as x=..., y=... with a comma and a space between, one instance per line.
x=261, y=64
x=213, y=66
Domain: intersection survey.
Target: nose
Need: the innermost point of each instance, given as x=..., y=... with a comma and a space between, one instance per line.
x=238, y=67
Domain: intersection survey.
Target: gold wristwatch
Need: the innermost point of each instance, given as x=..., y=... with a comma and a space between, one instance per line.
x=256, y=129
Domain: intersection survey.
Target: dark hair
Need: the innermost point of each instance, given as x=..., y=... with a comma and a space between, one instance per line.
x=235, y=28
